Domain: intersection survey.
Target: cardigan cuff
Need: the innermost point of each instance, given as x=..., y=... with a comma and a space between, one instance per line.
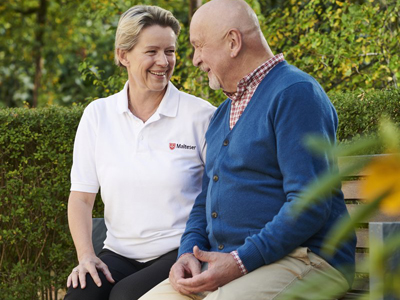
x=250, y=256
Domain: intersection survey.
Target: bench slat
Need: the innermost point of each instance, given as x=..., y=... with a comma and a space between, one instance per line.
x=377, y=217
x=360, y=284
x=346, y=161
x=351, y=190
x=360, y=287
x=362, y=238
x=360, y=266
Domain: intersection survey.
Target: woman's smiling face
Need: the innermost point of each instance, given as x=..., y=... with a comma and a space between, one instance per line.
x=151, y=62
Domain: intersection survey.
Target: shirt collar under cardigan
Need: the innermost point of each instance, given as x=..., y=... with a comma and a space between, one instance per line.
x=251, y=81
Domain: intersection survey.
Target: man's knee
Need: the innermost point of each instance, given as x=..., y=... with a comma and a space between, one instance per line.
x=165, y=291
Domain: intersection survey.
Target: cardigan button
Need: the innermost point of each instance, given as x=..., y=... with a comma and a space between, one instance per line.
x=214, y=215
x=220, y=247
x=215, y=178
x=226, y=142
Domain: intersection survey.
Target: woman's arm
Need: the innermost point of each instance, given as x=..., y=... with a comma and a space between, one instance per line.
x=80, y=206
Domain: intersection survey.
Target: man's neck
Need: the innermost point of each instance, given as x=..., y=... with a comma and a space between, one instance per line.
x=247, y=65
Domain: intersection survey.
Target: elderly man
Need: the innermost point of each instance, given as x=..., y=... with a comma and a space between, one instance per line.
x=242, y=240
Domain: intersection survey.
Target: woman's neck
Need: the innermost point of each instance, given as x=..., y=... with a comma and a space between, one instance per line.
x=142, y=105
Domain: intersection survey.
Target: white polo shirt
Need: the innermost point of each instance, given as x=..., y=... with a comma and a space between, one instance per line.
x=149, y=173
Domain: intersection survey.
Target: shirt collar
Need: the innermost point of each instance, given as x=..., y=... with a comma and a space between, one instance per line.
x=122, y=100
x=253, y=79
x=170, y=102
x=168, y=105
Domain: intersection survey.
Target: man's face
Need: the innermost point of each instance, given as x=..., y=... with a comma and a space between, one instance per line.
x=210, y=55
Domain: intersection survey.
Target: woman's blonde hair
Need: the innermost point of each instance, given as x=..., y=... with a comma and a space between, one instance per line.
x=135, y=19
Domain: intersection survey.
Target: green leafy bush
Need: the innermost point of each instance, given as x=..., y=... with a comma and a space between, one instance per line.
x=36, y=250
x=359, y=113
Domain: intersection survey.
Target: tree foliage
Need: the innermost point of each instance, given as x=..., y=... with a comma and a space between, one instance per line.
x=346, y=45
x=58, y=41
x=66, y=56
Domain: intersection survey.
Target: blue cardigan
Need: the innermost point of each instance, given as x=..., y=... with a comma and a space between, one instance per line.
x=256, y=171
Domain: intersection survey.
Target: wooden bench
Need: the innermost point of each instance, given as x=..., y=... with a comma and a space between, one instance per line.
x=375, y=225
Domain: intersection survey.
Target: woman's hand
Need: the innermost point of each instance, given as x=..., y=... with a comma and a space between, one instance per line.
x=88, y=264
x=80, y=206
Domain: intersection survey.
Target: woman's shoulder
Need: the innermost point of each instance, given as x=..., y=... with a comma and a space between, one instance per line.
x=102, y=105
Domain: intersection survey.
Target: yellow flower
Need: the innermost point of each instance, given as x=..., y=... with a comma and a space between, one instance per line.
x=384, y=176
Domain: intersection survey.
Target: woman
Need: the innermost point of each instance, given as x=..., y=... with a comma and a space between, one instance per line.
x=144, y=147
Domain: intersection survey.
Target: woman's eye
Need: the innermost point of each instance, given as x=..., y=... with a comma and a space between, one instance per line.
x=170, y=52
x=151, y=52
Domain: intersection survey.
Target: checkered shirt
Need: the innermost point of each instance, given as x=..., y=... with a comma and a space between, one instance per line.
x=247, y=86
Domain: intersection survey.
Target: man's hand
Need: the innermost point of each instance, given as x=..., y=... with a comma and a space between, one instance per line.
x=222, y=269
x=89, y=264
x=186, y=266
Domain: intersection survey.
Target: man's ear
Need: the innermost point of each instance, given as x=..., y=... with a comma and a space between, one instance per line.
x=235, y=41
x=122, y=56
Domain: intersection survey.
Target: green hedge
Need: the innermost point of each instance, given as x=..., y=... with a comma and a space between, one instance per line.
x=35, y=155
x=360, y=112
x=36, y=250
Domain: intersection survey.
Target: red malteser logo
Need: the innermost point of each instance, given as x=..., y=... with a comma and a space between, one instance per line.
x=172, y=146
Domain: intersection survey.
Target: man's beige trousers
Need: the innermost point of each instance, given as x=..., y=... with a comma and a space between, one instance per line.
x=279, y=280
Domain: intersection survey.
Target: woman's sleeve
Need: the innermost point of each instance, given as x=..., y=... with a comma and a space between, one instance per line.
x=83, y=173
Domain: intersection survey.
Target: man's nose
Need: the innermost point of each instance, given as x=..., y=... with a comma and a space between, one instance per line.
x=196, y=58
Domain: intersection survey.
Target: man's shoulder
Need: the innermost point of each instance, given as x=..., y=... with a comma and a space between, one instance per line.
x=287, y=74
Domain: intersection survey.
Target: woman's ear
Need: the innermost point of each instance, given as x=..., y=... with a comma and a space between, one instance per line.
x=122, y=56
x=235, y=41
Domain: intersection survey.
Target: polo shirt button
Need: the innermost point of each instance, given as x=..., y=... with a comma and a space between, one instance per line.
x=215, y=178
x=214, y=215
x=220, y=247
x=226, y=142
